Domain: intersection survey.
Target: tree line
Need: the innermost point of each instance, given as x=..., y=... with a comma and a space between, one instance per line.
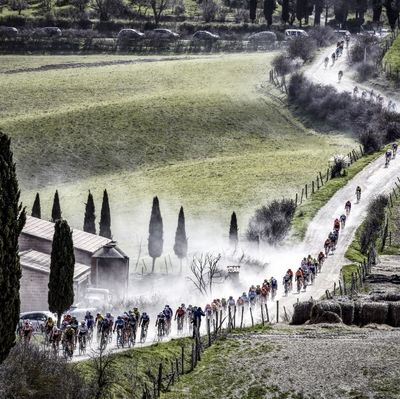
x=212, y=10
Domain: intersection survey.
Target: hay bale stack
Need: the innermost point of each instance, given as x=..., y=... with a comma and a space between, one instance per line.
x=324, y=306
x=326, y=317
x=301, y=312
x=347, y=312
x=387, y=297
x=394, y=314
x=357, y=313
x=374, y=312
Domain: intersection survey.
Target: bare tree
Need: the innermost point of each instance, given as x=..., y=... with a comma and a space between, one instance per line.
x=205, y=271
x=158, y=7
x=103, y=364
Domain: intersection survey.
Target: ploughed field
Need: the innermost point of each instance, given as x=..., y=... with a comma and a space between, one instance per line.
x=204, y=132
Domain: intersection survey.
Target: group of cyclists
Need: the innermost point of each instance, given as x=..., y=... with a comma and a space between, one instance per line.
x=370, y=95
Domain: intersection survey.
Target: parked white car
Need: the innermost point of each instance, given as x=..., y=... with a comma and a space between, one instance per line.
x=130, y=34
x=204, y=35
x=264, y=37
x=8, y=31
x=292, y=33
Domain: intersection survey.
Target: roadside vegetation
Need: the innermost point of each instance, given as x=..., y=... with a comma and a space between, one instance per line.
x=392, y=56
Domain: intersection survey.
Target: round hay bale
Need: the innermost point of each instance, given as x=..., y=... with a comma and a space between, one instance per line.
x=347, y=312
x=394, y=314
x=327, y=317
x=357, y=313
x=301, y=312
x=325, y=306
x=387, y=297
x=374, y=312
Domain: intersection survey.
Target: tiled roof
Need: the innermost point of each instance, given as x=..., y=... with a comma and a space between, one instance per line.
x=41, y=262
x=45, y=230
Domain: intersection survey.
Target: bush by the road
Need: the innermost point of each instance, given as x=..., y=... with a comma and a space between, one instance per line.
x=374, y=221
x=302, y=47
x=31, y=372
x=365, y=71
x=365, y=48
x=370, y=141
x=282, y=64
x=271, y=223
x=322, y=35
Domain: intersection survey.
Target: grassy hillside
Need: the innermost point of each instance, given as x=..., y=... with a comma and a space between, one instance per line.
x=200, y=132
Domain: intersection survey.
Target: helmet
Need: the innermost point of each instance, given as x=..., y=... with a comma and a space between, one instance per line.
x=119, y=317
x=167, y=306
x=26, y=321
x=144, y=314
x=68, y=325
x=135, y=309
x=98, y=314
x=161, y=314
x=108, y=314
x=183, y=305
x=231, y=297
x=83, y=323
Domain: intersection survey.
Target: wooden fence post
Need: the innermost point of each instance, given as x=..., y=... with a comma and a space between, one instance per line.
x=208, y=331
x=302, y=194
x=266, y=312
x=251, y=315
x=306, y=191
x=327, y=175
x=334, y=289
x=321, y=179
x=241, y=318
x=262, y=314
x=317, y=182
x=312, y=185
x=277, y=311
x=296, y=198
x=340, y=288
x=234, y=318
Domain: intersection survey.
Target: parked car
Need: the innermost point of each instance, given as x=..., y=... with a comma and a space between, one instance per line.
x=343, y=32
x=265, y=37
x=130, y=34
x=163, y=34
x=204, y=35
x=292, y=33
x=80, y=313
x=38, y=318
x=8, y=31
x=48, y=31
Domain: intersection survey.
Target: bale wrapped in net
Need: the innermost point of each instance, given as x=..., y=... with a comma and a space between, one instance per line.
x=374, y=312
x=357, y=313
x=347, y=312
x=394, y=314
x=387, y=297
x=301, y=312
x=324, y=306
x=326, y=317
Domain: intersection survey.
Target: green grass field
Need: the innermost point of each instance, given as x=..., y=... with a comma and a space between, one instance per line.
x=201, y=132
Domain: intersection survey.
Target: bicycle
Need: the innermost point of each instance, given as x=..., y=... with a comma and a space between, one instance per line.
x=82, y=344
x=286, y=285
x=358, y=195
x=120, y=338
x=299, y=284
x=160, y=331
x=68, y=349
x=104, y=339
x=143, y=333
x=179, y=323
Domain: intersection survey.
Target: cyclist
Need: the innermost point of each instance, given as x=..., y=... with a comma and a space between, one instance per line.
x=82, y=334
x=343, y=220
x=252, y=295
x=326, y=62
x=27, y=331
x=161, y=324
x=245, y=299
x=355, y=91
x=313, y=271
x=137, y=316
x=274, y=287
x=55, y=338
x=358, y=193
x=394, y=149
x=290, y=273
x=321, y=260
x=119, y=325
x=388, y=157
x=299, y=279
x=68, y=339
x=89, y=321
x=132, y=324
x=144, y=323
x=286, y=282
x=333, y=236
x=340, y=75
x=48, y=329
x=336, y=224
x=110, y=320
x=333, y=56
x=168, y=316
x=327, y=246
x=180, y=317
x=347, y=207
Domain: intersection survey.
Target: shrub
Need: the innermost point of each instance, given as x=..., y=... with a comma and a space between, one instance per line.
x=302, y=47
x=365, y=71
x=282, y=64
x=392, y=131
x=31, y=372
x=322, y=35
x=365, y=45
x=271, y=223
x=340, y=163
x=373, y=223
x=370, y=141
x=209, y=9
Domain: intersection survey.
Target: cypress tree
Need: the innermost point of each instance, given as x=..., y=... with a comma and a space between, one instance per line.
x=89, y=221
x=36, y=211
x=105, y=218
x=61, y=281
x=285, y=11
x=181, y=243
x=155, y=244
x=12, y=220
x=56, y=210
x=269, y=8
x=253, y=10
x=233, y=231
x=319, y=7
x=377, y=10
x=300, y=10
